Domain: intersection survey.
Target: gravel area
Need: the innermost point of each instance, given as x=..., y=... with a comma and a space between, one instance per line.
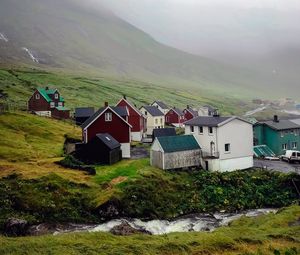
x=277, y=165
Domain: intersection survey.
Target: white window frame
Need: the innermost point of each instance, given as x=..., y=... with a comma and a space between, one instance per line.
x=212, y=130
x=37, y=96
x=56, y=96
x=192, y=129
x=60, y=104
x=284, y=146
x=52, y=104
x=108, y=116
x=294, y=145
x=229, y=148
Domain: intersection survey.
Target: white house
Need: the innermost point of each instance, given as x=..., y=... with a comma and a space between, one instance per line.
x=154, y=118
x=161, y=106
x=226, y=142
x=206, y=110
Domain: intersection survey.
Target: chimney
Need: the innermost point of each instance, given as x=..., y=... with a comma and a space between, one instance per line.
x=276, y=119
x=105, y=104
x=124, y=96
x=47, y=88
x=188, y=107
x=216, y=113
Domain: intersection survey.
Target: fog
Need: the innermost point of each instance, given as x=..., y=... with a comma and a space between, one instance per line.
x=220, y=29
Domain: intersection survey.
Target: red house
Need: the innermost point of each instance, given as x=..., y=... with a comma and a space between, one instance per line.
x=135, y=119
x=111, y=120
x=175, y=117
x=189, y=113
x=48, y=102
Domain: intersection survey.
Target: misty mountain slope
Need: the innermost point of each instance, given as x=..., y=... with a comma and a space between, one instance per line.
x=60, y=34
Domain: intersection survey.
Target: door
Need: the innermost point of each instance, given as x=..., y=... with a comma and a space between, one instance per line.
x=206, y=165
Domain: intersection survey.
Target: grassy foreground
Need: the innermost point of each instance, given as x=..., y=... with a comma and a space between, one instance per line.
x=270, y=234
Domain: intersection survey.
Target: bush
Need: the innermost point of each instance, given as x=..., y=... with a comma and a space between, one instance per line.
x=71, y=162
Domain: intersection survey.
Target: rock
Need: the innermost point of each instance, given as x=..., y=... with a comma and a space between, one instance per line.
x=110, y=210
x=15, y=227
x=125, y=230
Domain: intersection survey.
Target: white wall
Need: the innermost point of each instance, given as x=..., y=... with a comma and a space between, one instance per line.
x=125, y=147
x=137, y=136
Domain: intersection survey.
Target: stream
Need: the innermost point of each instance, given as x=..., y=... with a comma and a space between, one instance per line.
x=193, y=222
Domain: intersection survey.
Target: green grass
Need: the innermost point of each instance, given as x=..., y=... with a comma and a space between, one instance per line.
x=94, y=91
x=268, y=234
x=26, y=137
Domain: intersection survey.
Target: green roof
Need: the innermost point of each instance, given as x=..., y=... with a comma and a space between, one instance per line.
x=178, y=143
x=263, y=151
x=61, y=108
x=46, y=92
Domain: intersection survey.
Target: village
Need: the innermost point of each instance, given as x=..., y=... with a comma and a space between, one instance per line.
x=194, y=137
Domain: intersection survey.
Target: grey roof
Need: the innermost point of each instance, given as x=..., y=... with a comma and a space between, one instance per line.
x=207, y=121
x=84, y=112
x=281, y=125
x=178, y=111
x=108, y=140
x=161, y=104
x=120, y=110
x=158, y=132
x=297, y=121
x=195, y=113
x=154, y=111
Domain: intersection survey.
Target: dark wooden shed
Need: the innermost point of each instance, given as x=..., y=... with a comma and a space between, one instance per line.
x=102, y=149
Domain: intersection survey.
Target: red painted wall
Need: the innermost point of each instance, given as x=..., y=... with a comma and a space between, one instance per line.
x=134, y=119
x=117, y=128
x=60, y=114
x=188, y=115
x=38, y=104
x=172, y=117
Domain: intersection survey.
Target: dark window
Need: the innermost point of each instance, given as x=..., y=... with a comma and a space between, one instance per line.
x=227, y=147
x=200, y=130
x=192, y=129
x=210, y=130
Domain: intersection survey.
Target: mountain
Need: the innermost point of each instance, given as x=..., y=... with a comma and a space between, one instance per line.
x=65, y=36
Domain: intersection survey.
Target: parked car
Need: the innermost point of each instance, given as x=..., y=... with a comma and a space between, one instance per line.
x=291, y=156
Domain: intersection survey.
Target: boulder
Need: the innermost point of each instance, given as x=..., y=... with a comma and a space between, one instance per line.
x=125, y=229
x=15, y=227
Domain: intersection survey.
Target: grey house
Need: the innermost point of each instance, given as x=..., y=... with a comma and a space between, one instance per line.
x=175, y=152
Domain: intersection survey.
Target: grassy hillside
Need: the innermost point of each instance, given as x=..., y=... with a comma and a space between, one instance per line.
x=63, y=36
x=270, y=234
x=89, y=91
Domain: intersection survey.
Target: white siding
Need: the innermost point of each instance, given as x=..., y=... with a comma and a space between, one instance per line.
x=125, y=147
x=137, y=136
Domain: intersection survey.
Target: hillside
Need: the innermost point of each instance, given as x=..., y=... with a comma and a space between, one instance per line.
x=63, y=36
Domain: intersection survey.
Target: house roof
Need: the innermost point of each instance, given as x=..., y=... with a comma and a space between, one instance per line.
x=281, y=125
x=119, y=110
x=154, y=111
x=178, y=143
x=46, y=92
x=207, y=121
x=158, y=132
x=108, y=140
x=161, y=105
x=178, y=111
x=193, y=112
x=130, y=104
x=297, y=121
x=84, y=112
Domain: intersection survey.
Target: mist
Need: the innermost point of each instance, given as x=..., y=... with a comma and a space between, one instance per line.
x=231, y=30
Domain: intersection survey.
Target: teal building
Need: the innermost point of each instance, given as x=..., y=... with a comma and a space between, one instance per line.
x=278, y=135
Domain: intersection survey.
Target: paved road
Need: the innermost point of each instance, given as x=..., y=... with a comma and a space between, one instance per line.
x=277, y=165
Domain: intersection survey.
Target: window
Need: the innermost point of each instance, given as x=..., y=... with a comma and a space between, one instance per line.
x=284, y=146
x=210, y=130
x=161, y=120
x=60, y=104
x=108, y=116
x=56, y=96
x=201, y=130
x=227, y=147
x=294, y=145
x=156, y=121
x=146, y=113
x=292, y=132
x=192, y=129
x=282, y=134
x=37, y=96
x=52, y=104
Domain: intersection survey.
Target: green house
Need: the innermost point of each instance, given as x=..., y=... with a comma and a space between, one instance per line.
x=278, y=135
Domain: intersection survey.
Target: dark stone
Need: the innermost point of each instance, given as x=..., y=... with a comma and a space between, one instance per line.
x=125, y=230
x=110, y=210
x=15, y=227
